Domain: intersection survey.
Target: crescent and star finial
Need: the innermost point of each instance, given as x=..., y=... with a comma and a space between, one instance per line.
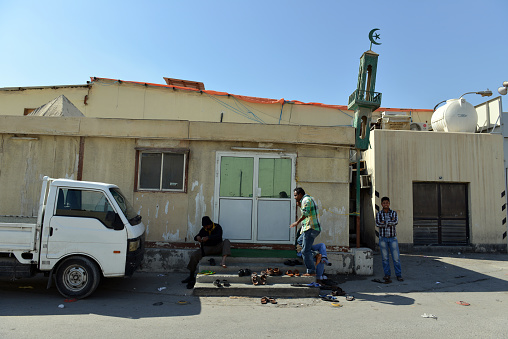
x=373, y=36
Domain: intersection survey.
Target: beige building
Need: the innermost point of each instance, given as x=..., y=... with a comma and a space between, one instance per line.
x=181, y=152
x=447, y=188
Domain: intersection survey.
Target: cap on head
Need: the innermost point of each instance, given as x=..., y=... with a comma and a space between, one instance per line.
x=205, y=221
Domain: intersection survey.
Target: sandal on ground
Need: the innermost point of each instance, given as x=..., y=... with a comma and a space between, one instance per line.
x=255, y=279
x=276, y=271
x=350, y=298
x=241, y=272
x=296, y=273
x=217, y=283
x=328, y=298
x=226, y=283
x=290, y=273
x=262, y=279
x=269, y=271
x=264, y=300
x=400, y=279
x=247, y=271
x=212, y=261
x=272, y=300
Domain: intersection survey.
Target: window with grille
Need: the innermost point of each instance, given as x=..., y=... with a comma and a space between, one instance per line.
x=162, y=171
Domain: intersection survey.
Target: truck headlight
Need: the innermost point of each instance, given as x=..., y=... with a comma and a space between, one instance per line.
x=134, y=245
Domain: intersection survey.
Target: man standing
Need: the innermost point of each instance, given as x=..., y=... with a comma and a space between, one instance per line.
x=210, y=238
x=310, y=227
x=386, y=220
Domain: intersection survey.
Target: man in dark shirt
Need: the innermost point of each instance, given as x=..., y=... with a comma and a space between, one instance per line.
x=386, y=220
x=210, y=238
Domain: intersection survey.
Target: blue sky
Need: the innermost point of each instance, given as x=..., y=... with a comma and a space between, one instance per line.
x=297, y=50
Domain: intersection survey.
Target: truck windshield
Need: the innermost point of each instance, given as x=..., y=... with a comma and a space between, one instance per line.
x=126, y=207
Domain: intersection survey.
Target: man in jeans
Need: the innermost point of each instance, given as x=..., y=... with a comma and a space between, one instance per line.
x=386, y=220
x=310, y=227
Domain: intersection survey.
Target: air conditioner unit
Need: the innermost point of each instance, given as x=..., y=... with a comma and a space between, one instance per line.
x=419, y=126
x=365, y=181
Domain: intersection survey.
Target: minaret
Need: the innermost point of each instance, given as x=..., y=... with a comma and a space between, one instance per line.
x=364, y=99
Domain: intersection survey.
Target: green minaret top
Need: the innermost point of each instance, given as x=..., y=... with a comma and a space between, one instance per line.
x=365, y=95
x=364, y=99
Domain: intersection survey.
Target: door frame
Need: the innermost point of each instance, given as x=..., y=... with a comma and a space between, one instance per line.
x=256, y=156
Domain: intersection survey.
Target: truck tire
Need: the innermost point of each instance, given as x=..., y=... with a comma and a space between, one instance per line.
x=77, y=277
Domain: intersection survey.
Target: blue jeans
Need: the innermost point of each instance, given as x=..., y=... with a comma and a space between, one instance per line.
x=306, y=240
x=391, y=244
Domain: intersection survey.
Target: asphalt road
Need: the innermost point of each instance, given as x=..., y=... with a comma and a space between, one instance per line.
x=151, y=305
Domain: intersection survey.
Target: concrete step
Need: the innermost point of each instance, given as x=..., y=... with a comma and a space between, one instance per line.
x=276, y=286
x=255, y=266
x=249, y=290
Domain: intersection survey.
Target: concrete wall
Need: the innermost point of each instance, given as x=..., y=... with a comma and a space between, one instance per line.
x=399, y=158
x=51, y=146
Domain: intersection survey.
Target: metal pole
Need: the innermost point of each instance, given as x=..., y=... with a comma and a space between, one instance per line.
x=358, y=198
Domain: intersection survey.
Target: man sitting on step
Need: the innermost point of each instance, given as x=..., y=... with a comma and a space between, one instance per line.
x=210, y=239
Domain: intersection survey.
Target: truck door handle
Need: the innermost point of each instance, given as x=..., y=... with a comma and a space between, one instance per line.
x=50, y=231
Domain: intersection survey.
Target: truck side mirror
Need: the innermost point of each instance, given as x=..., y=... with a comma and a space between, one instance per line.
x=118, y=223
x=115, y=220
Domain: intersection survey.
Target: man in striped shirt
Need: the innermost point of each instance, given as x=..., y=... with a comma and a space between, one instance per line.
x=310, y=227
x=386, y=220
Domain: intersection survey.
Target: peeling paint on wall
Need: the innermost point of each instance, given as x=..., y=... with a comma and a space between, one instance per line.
x=193, y=227
x=166, y=208
x=168, y=236
x=156, y=211
x=194, y=184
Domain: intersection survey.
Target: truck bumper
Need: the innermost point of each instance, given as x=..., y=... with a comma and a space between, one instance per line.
x=135, y=258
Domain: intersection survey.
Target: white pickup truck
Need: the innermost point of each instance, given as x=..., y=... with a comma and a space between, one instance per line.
x=84, y=231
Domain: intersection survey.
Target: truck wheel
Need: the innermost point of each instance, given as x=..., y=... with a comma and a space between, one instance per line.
x=77, y=277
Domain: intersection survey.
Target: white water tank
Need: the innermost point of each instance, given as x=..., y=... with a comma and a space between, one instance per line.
x=457, y=115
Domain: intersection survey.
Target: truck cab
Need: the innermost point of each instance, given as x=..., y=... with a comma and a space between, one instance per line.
x=84, y=231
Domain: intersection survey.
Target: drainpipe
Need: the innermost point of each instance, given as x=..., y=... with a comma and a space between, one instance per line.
x=358, y=198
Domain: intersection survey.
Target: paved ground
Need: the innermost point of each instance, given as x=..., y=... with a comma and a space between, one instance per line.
x=148, y=305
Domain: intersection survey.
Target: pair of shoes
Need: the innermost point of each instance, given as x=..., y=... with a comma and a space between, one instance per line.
x=188, y=279
x=309, y=274
x=212, y=261
x=269, y=271
x=265, y=300
x=226, y=283
x=244, y=272
x=217, y=283
x=400, y=279
x=350, y=297
x=387, y=279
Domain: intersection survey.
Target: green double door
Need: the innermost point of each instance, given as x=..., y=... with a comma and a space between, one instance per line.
x=253, y=197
